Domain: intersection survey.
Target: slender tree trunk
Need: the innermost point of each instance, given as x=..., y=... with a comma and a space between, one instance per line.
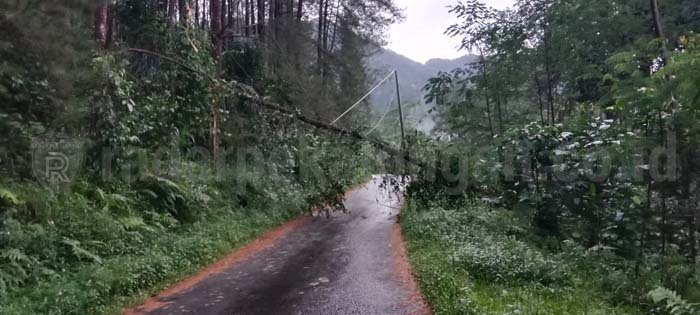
x=686, y=204
x=300, y=10
x=646, y=214
x=540, y=101
x=499, y=112
x=102, y=23
x=247, y=18
x=335, y=26
x=326, y=5
x=548, y=72
x=319, y=48
x=324, y=37
x=261, y=20
x=271, y=24
x=172, y=11
x=215, y=33
x=253, y=25
x=224, y=15
x=484, y=74
x=664, y=223
x=163, y=6
x=656, y=16
x=232, y=13
x=196, y=12
x=215, y=26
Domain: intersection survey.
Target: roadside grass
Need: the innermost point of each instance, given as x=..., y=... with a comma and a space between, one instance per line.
x=84, y=249
x=166, y=259
x=470, y=261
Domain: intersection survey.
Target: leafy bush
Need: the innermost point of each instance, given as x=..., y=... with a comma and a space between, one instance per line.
x=673, y=302
x=85, y=249
x=474, y=259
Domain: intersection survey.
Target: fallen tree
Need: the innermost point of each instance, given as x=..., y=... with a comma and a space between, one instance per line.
x=246, y=92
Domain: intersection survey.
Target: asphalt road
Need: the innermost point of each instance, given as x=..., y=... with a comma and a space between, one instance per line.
x=347, y=264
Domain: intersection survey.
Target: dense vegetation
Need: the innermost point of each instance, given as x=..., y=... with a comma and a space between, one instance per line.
x=580, y=120
x=143, y=139
x=135, y=145
x=474, y=259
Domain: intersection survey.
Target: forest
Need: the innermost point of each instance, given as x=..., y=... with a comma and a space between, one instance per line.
x=143, y=140
x=580, y=120
x=169, y=156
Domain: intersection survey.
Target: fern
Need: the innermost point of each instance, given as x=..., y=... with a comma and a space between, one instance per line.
x=167, y=195
x=14, y=266
x=9, y=199
x=80, y=252
x=675, y=304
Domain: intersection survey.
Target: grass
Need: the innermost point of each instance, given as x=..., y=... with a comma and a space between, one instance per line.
x=163, y=259
x=471, y=261
x=87, y=250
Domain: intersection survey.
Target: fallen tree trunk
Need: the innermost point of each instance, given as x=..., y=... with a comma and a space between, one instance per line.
x=248, y=93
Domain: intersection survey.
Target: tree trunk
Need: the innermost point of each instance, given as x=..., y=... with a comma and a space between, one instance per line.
x=664, y=223
x=319, y=48
x=196, y=12
x=272, y=14
x=486, y=93
x=540, y=101
x=300, y=10
x=172, y=11
x=335, y=26
x=215, y=33
x=102, y=23
x=233, y=15
x=499, y=112
x=656, y=16
x=224, y=16
x=215, y=26
x=247, y=17
x=253, y=26
x=325, y=24
x=261, y=19
x=163, y=6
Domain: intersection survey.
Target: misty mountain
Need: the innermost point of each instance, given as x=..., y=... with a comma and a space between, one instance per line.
x=413, y=76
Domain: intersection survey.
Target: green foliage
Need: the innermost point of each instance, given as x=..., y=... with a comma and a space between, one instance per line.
x=166, y=195
x=90, y=245
x=673, y=302
x=8, y=199
x=474, y=259
x=587, y=125
x=83, y=249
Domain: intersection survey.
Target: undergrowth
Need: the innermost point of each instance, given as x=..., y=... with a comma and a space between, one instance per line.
x=475, y=259
x=83, y=249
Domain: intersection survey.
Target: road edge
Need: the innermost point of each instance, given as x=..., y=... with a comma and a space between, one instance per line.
x=263, y=242
x=404, y=273
x=236, y=256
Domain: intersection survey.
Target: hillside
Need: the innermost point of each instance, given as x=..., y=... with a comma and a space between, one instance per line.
x=412, y=78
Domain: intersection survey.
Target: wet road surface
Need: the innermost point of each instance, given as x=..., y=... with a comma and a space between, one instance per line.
x=350, y=263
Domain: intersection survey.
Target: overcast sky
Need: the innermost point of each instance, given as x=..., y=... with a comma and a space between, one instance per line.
x=420, y=37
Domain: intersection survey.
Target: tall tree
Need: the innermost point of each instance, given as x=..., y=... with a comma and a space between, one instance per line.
x=261, y=19
x=300, y=10
x=224, y=15
x=102, y=23
x=216, y=36
x=172, y=11
x=656, y=16
x=215, y=26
